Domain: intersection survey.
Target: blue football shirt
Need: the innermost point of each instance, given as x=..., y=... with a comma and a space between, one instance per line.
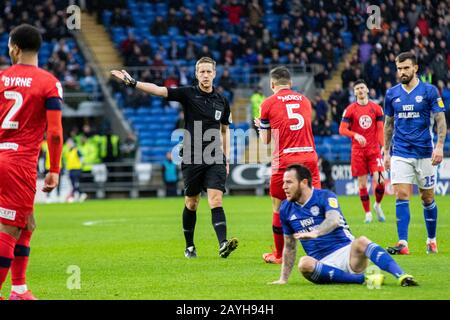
x=413, y=119
x=307, y=217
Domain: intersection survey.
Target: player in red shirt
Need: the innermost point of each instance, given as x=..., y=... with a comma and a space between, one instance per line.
x=362, y=121
x=286, y=117
x=30, y=103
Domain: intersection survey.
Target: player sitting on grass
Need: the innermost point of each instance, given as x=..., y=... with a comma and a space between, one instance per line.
x=333, y=255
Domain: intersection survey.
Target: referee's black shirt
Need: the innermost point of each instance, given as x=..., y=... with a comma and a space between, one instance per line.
x=207, y=110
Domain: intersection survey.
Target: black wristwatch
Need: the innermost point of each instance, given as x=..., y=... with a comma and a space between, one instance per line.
x=129, y=81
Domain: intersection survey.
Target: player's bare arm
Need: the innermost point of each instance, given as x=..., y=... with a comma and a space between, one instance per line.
x=330, y=223
x=345, y=131
x=264, y=134
x=441, y=125
x=146, y=87
x=289, y=253
x=388, y=132
x=55, y=142
x=225, y=135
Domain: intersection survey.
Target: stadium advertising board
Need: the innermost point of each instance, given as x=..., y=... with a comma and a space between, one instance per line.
x=257, y=175
x=346, y=185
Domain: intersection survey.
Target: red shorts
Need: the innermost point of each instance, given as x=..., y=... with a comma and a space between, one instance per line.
x=17, y=191
x=366, y=161
x=276, y=180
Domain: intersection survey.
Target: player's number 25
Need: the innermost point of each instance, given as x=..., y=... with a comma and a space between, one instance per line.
x=292, y=115
x=18, y=101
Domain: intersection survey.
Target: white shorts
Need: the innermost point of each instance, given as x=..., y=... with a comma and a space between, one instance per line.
x=340, y=259
x=413, y=171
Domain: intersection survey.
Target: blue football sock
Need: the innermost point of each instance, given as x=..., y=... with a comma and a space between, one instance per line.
x=383, y=260
x=327, y=274
x=430, y=213
x=402, y=213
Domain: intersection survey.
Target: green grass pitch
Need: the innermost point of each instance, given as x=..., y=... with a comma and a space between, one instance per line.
x=133, y=249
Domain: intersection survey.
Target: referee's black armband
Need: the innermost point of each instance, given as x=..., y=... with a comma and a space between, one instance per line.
x=129, y=81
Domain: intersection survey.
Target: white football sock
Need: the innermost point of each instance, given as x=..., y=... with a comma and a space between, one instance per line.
x=20, y=289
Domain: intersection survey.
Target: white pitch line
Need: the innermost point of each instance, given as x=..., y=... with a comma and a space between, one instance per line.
x=97, y=222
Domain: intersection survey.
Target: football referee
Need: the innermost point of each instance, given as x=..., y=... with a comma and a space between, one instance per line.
x=205, y=151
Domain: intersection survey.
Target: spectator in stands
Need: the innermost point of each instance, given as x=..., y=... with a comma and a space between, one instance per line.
x=127, y=45
x=170, y=176
x=109, y=146
x=321, y=109
x=347, y=75
x=74, y=162
x=128, y=147
x=210, y=40
x=422, y=24
x=413, y=16
x=217, y=9
x=234, y=12
x=204, y=52
x=338, y=101
x=135, y=98
x=255, y=13
x=146, y=49
x=88, y=82
x=325, y=129
x=228, y=84
x=159, y=27
x=120, y=18
x=228, y=58
x=365, y=49
x=255, y=100
x=427, y=76
x=439, y=67
x=327, y=180
x=374, y=96
x=184, y=76
x=250, y=57
x=280, y=7
x=172, y=18
x=188, y=24
x=175, y=4
x=191, y=51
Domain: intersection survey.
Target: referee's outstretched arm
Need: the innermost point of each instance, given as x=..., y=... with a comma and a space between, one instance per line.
x=147, y=87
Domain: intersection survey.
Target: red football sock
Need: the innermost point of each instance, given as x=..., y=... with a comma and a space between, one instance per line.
x=379, y=192
x=7, y=243
x=20, y=263
x=364, y=195
x=278, y=236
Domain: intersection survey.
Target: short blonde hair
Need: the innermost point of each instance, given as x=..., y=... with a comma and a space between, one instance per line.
x=205, y=60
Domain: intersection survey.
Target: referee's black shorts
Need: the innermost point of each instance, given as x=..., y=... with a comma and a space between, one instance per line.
x=198, y=177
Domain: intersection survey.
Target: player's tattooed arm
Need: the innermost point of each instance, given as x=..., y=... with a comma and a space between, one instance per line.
x=289, y=253
x=438, y=152
x=331, y=222
x=441, y=127
x=388, y=132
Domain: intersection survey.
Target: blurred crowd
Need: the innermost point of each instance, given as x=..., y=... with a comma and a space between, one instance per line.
x=242, y=33
x=59, y=53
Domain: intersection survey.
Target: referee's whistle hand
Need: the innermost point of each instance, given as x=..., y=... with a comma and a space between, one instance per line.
x=118, y=74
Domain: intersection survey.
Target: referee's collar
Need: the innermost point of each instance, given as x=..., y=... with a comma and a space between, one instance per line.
x=206, y=93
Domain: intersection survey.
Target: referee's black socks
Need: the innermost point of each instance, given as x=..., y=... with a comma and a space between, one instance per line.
x=220, y=224
x=189, y=220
